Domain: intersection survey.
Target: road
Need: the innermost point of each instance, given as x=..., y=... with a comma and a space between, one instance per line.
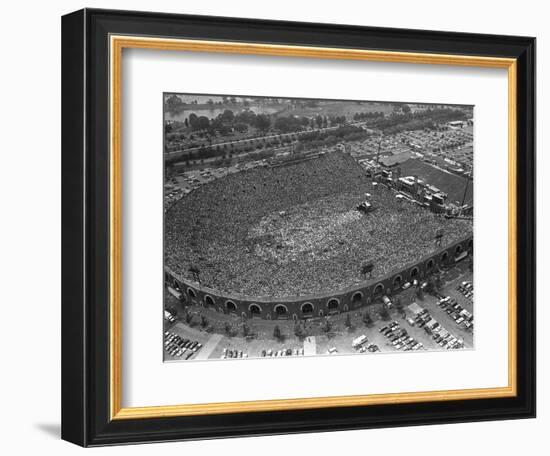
x=310, y=346
x=261, y=138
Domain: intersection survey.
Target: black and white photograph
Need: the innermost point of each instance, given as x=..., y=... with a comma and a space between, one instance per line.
x=313, y=227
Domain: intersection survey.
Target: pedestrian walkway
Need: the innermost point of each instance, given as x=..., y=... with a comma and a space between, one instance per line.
x=209, y=347
x=310, y=346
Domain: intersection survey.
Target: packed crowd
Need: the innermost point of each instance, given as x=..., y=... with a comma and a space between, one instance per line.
x=294, y=230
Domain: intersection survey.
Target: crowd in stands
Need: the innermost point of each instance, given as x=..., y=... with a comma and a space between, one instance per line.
x=294, y=230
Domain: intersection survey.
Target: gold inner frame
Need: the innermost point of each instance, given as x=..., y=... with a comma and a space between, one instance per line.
x=117, y=44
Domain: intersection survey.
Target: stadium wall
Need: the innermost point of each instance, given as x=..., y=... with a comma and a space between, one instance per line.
x=192, y=293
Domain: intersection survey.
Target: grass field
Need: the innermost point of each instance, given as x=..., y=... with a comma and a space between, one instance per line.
x=450, y=183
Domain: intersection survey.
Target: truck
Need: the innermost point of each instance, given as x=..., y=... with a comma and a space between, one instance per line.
x=357, y=342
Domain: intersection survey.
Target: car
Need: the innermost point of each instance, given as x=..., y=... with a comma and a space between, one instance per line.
x=264, y=352
x=406, y=285
x=382, y=329
x=332, y=350
x=459, y=320
x=168, y=316
x=289, y=351
x=410, y=321
x=270, y=352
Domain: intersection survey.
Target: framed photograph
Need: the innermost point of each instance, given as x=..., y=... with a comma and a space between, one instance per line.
x=279, y=227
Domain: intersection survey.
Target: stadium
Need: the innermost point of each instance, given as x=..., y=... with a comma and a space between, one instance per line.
x=287, y=240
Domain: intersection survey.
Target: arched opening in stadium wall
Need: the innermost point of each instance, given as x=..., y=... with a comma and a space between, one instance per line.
x=357, y=298
x=255, y=310
x=397, y=281
x=414, y=272
x=430, y=265
x=307, y=309
x=281, y=311
x=230, y=306
x=191, y=293
x=333, y=304
x=378, y=290
x=208, y=301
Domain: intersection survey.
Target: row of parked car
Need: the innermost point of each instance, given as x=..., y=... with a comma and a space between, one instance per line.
x=283, y=352
x=362, y=345
x=399, y=338
x=466, y=289
x=459, y=314
x=440, y=335
x=179, y=347
x=227, y=353
x=169, y=316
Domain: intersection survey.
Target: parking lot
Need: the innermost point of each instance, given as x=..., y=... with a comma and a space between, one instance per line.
x=407, y=334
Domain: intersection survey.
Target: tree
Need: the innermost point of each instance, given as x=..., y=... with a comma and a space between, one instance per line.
x=420, y=293
x=319, y=121
x=193, y=120
x=384, y=313
x=326, y=325
x=227, y=328
x=204, y=321
x=438, y=283
x=202, y=123
x=399, y=306
x=348, y=321
x=298, y=331
x=262, y=122
x=367, y=319
x=246, y=330
x=228, y=116
x=188, y=318
x=173, y=102
x=277, y=333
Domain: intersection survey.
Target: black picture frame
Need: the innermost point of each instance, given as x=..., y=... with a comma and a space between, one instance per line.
x=85, y=228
